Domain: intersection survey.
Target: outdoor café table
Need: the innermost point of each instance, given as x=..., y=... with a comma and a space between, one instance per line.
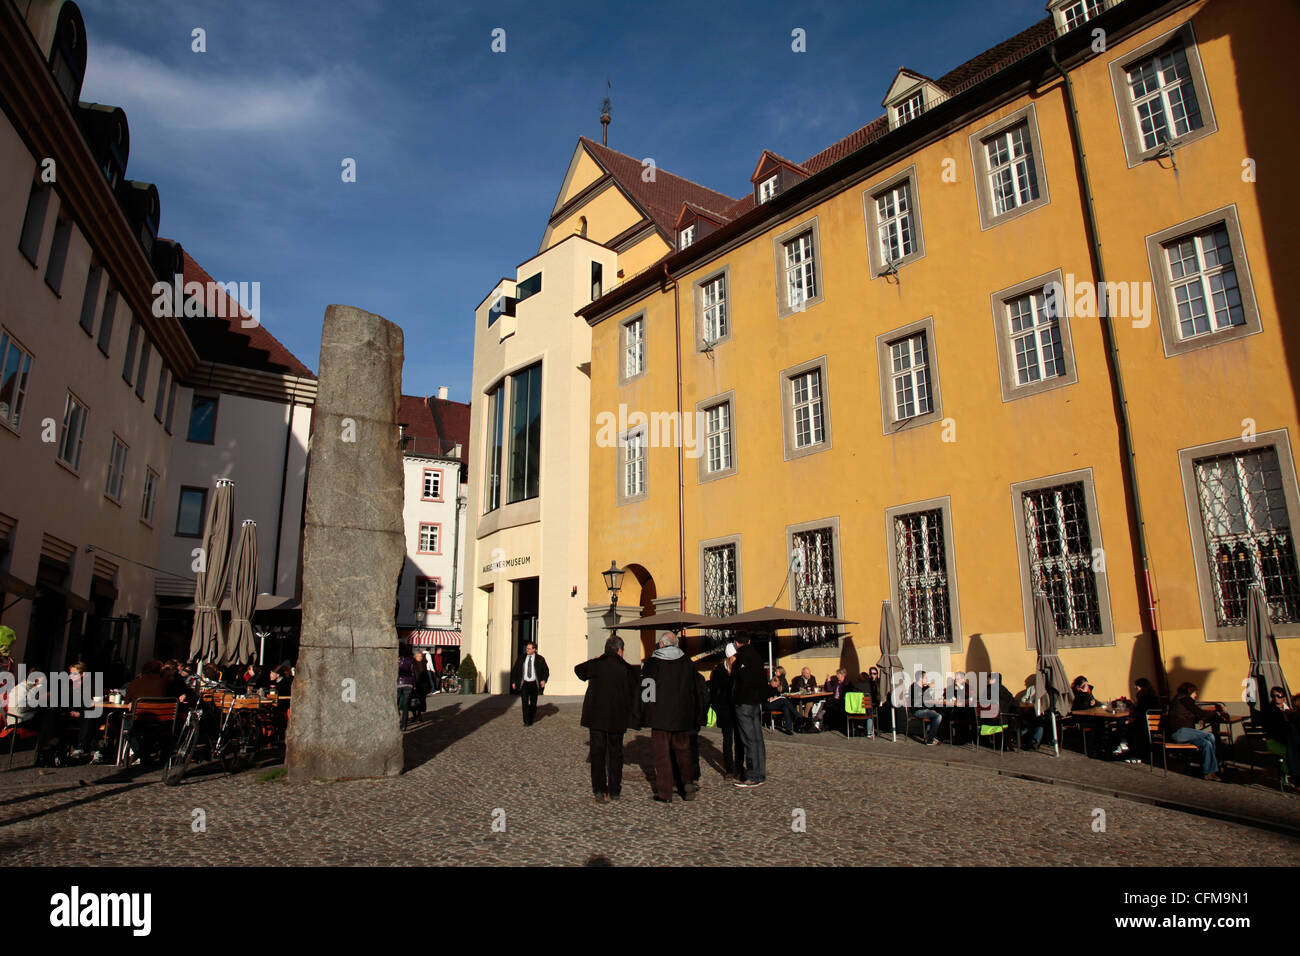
x=1110, y=720
x=1222, y=723
x=952, y=711
x=121, y=724
x=809, y=697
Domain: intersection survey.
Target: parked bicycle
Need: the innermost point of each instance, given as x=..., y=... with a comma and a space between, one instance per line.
x=221, y=725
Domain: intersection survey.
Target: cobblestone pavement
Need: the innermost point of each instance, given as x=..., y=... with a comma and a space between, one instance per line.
x=472, y=763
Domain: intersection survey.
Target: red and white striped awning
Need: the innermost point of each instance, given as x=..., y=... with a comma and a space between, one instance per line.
x=429, y=636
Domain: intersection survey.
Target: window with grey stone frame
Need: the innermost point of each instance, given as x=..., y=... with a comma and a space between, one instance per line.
x=908, y=366
x=717, y=434
x=892, y=210
x=1031, y=327
x=720, y=581
x=923, y=573
x=632, y=348
x=1060, y=551
x=798, y=265
x=1202, y=279
x=1030, y=190
x=802, y=413
x=1169, y=95
x=1241, y=500
x=816, y=586
x=633, y=478
x=712, y=298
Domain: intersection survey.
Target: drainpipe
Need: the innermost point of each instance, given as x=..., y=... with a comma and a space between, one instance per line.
x=455, y=549
x=681, y=434
x=279, y=515
x=1116, y=376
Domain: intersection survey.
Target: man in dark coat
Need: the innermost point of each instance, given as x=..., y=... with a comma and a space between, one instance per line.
x=528, y=679
x=720, y=684
x=607, y=708
x=671, y=704
x=748, y=691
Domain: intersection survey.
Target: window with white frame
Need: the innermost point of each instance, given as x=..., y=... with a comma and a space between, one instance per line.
x=1059, y=537
x=432, y=484
x=634, y=347
x=910, y=369
x=1013, y=178
x=713, y=298
x=1248, y=538
x=72, y=432
x=15, y=367
x=767, y=189
x=1080, y=12
x=429, y=538
x=426, y=594
x=116, y=469
x=814, y=587
x=721, y=584
x=686, y=236
x=149, y=496
x=808, y=413
x=910, y=108
x=895, y=224
x=920, y=552
x=634, y=464
x=1203, y=282
x=1164, y=97
x=1035, y=332
x=717, y=437
x=800, y=270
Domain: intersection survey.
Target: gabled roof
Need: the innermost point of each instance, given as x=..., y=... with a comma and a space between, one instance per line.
x=437, y=425
x=699, y=212
x=905, y=80
x=769, y=158
x=227, y=342
x=660, y=200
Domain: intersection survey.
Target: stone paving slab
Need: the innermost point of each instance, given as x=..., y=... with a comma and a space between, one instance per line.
x=480, y=788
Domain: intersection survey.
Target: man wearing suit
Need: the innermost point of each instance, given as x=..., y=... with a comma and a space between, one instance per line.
x=528, y=679
x=607, y=710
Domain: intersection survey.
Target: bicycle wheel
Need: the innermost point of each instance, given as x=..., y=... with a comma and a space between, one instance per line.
x=451, y=685
x=237, y=754
x=179, y=760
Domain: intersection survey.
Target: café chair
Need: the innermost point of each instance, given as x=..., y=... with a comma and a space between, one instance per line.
x=13, y=728
x=149, y=717
x=858, y=706
x=1156, y=738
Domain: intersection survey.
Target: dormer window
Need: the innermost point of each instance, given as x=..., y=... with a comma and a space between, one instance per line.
x=1074, y=13
x=686, y=236
x=909, y=109
x=767, y=189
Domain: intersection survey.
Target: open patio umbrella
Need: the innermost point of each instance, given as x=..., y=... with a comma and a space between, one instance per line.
x=210, y=585
x=889, y=663
x=243, y=596
x=1261, y=646
x=1052, y=686
x=768, y=620
x=667, y=621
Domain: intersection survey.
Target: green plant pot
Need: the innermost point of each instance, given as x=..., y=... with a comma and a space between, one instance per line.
x=467, y=684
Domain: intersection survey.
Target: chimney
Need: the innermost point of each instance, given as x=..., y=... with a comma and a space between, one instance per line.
x=442, y=393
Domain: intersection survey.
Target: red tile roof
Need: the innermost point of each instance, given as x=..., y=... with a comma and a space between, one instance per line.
x=437, y=425
x=228, y=342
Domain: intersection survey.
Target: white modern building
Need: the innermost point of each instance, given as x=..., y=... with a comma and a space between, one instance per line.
x=435, y=436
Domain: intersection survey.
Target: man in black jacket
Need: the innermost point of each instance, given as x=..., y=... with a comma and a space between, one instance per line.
x=671, y=704
x=528, y=679
x=607, y=709
x=748, y=691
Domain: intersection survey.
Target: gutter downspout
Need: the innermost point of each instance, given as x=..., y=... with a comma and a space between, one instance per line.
x=1116, y=375
x=681, y=434
x=455, y=547
x=279, y=515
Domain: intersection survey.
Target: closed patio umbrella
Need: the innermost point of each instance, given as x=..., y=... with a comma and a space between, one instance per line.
x=210, y=585
x=890, y=663
x=1261, y=646
x=1052, y=686
x=243, y=595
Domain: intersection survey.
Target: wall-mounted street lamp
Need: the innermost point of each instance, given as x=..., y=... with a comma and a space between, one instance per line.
x=614, y=583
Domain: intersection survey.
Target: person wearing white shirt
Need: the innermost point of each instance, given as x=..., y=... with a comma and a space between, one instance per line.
x=528, y=679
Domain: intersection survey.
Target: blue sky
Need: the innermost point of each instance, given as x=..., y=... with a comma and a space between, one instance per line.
x=460, y=151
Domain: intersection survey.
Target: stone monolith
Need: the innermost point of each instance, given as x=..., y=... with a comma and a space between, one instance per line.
x=343, y=721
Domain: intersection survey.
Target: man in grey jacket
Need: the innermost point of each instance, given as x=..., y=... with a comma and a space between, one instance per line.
x=670, y=701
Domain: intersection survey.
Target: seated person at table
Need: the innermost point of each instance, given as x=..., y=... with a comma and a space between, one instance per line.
x=1032, y=724
x=1278, y=718
x=805, y=683
x=150, y=683
x=780, y=677
x=777, y=704
x=250, y=679
x=1179, y=726
x=868, y=685
x=281, y=680
x=1135, y=735
x=926, y=698
x=1083, y=699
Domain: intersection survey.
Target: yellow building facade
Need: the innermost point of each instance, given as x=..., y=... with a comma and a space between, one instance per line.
x=895, y=384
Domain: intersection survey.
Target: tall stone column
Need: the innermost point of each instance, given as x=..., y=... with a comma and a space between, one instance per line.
x=343, y=721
